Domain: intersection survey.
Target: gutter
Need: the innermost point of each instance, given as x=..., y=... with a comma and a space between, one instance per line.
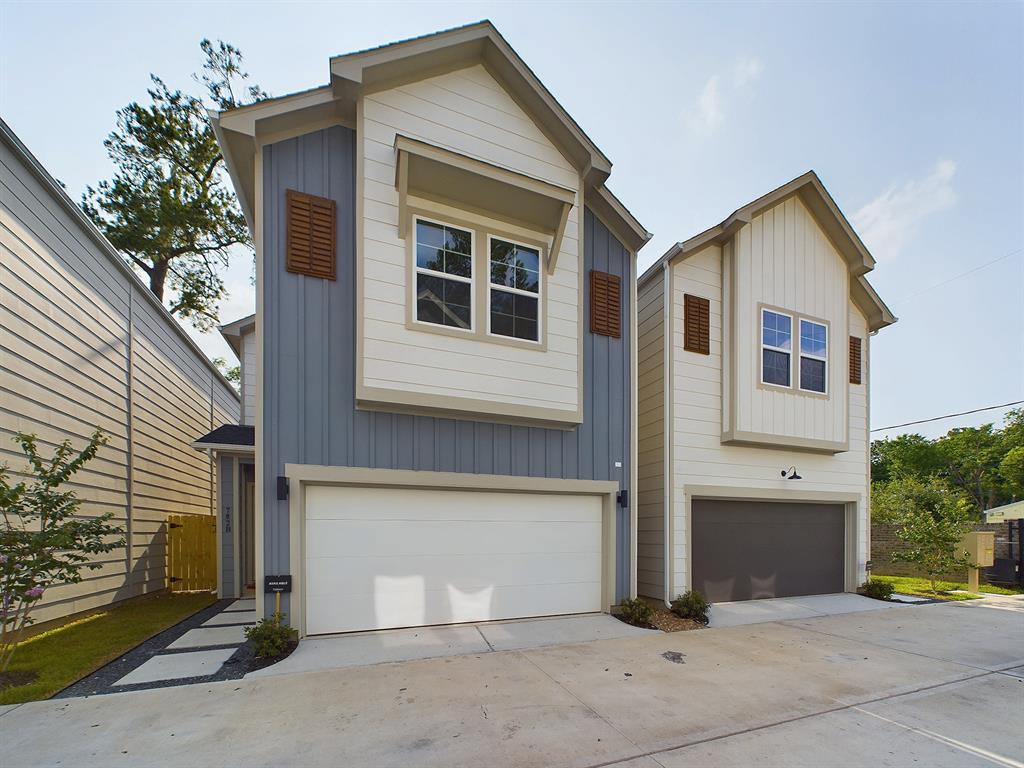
x=667, y=424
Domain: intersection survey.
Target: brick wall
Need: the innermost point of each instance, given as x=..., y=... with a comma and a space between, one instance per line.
x=884, y=542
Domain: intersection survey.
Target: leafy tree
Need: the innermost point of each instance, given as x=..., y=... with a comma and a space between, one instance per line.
x=169, y=209
x=970, y=458
x=930, y=518
x=904, y=455
x=42, y=540
x=233, y=373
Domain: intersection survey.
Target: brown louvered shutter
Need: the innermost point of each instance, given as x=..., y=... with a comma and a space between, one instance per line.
x=311, y=235
x=696, y=324
x=855, y=360
x=605, y=304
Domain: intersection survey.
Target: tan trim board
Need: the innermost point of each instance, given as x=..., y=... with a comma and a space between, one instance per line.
x=740, y=437
x=444, y=406
x=302, y=475
x=236, y=528
x=634, y=400
x=259, y=511
x=224, y=448
x=668, y=429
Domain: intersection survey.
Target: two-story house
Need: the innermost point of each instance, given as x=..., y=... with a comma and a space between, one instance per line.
x=443, y=390
x=753, y=406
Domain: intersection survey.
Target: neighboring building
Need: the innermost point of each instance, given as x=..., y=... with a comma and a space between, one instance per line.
x=753, y=409
x=444, y=362
x=84, y=344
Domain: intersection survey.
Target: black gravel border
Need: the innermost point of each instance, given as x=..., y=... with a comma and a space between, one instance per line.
x=102, y=680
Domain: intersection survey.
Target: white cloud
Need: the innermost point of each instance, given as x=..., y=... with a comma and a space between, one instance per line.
x=710, y=111
x=709, y=106
x=887, y=223
x=747, y=70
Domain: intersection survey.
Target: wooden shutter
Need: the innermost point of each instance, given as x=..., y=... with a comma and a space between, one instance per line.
x=696, y=324
x=855, y=360
x=311, y=235
x=605, y=304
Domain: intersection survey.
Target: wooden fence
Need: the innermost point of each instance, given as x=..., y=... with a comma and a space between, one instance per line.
x=192, y=553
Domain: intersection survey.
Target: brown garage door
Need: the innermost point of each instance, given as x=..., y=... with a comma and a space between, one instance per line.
x=748, y=550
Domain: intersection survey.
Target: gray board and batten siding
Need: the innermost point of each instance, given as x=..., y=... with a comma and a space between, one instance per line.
x=309, y=405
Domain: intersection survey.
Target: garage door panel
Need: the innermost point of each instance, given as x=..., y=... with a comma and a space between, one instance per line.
x=344, y=575
x=381, y=557
x=754, y=550
x=358, y=538
x=378, y=504
x=417, y=607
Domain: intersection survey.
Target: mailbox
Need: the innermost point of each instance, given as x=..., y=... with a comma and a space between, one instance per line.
x=981, y=548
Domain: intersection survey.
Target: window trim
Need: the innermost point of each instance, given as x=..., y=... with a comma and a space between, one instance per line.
x=809, y=356
x=508, y=289
x=762, y=346
x=417, y=270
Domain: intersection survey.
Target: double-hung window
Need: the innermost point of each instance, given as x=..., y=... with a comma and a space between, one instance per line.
x=776, y=348
x=813, y=356
x=514, y=290
x=444, y=275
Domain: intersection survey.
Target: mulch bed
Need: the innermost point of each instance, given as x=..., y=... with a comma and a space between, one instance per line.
x=664, y=619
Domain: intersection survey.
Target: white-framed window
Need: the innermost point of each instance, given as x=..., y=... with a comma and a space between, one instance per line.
x=444, y=274
x=513, y=290
x=776, y=348
x=813, y=356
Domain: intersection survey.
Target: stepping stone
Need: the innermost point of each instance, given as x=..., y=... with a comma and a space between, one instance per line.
x=203, y=637
x=243, y=604
x=231, y=617
x=175, y=666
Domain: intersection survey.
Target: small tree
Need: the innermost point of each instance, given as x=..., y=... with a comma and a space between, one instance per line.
x=42, y=540
x=929, y=518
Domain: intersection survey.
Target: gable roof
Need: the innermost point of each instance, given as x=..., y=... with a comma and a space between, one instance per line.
x=829, y=217
x=389, y=65
x=234, y=331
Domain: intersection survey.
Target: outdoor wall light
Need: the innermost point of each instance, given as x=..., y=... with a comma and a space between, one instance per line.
x=792, y=474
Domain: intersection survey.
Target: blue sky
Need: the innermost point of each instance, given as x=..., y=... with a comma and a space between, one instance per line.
x=912, y=114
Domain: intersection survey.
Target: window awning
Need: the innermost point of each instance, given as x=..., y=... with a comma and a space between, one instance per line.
x=425, y=170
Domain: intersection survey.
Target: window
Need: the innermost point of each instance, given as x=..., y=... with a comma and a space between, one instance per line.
x=813, y=356
x=514, y=290
x=444, y=275
x=776, y=347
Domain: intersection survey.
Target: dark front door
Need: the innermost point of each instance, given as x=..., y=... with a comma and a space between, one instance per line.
x=749, y=550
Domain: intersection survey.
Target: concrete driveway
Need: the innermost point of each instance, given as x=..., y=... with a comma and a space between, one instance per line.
x=932, y=685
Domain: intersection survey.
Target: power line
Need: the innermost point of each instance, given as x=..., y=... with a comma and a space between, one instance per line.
x=957, y=277
x=949, y=416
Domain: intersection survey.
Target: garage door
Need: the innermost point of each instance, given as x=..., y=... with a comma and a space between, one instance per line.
x=746, y=550
x=383, y=557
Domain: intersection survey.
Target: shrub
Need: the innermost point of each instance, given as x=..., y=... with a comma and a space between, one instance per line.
x=635, y=610
x=878, y=589
x=691, y=605
x=271, y=637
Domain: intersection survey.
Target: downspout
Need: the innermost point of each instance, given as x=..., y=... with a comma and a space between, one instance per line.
x=668, y=384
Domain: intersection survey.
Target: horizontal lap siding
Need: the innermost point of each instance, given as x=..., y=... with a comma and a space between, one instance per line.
x=650, y=544
x=73, y=328
x=309, y=373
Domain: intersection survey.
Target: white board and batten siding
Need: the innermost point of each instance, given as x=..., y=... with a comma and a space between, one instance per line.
x=650, y=575
x=380, y=558
x=83, y=346
x=468, y=112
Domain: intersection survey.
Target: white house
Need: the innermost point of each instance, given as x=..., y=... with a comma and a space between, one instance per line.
x=754, y=357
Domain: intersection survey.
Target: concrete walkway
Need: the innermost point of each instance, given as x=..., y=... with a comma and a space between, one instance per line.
x=199, y=652
x=367, y=648
x=784, y=608
x=935, y=685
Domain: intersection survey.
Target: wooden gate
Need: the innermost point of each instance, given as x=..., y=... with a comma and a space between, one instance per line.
x=192, y=553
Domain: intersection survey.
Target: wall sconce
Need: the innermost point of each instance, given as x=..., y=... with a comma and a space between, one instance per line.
x=792, y=474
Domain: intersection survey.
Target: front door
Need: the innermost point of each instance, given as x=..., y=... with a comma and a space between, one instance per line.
x=248, y=530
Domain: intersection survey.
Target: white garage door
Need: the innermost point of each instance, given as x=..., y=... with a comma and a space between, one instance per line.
x=386, y=557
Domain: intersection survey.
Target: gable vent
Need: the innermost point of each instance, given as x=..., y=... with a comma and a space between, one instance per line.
x=696, y=324
x=311, y=235
x=605, y=304
x=855, y=360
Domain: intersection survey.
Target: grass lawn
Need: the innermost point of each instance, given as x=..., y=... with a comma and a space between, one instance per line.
x=913, y=585
x=68, y=653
